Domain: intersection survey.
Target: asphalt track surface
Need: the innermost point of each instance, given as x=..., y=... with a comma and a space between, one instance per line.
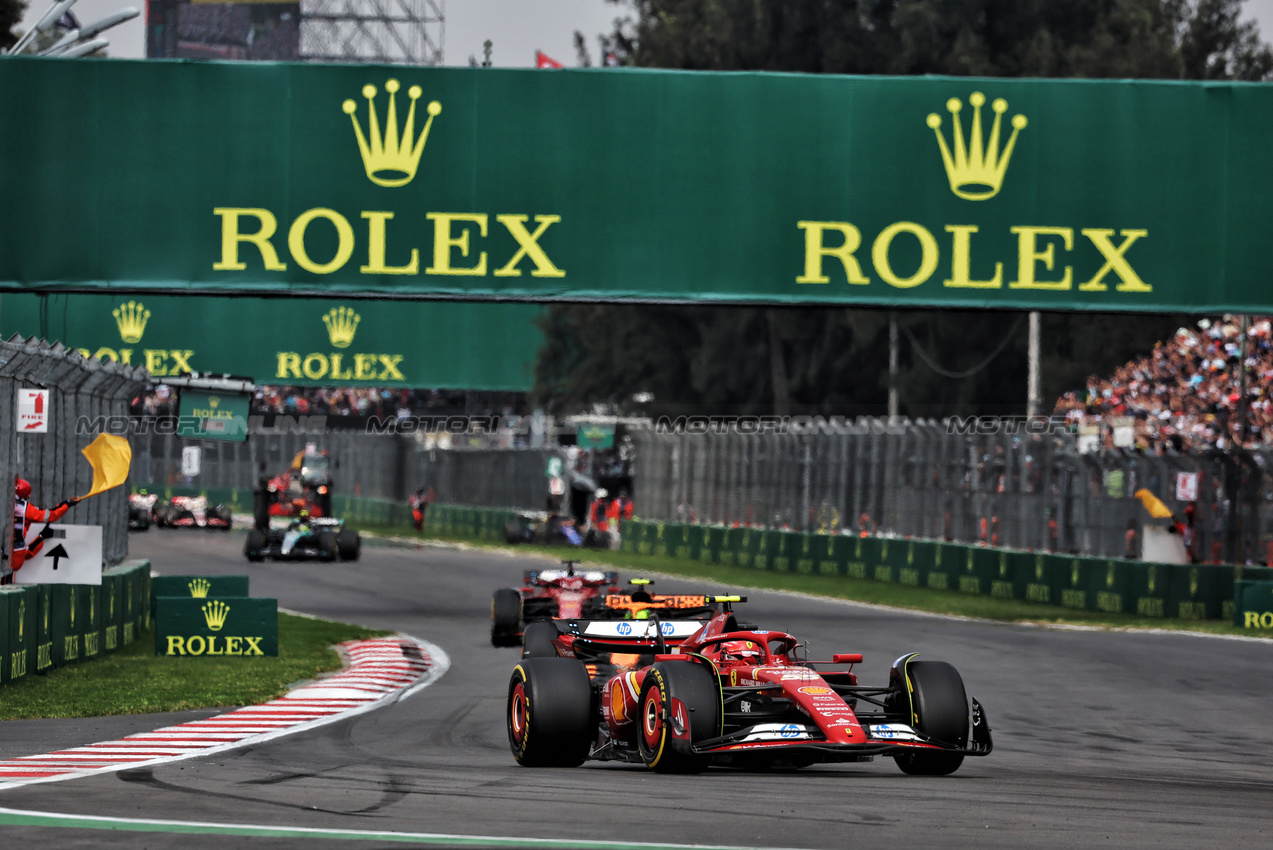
x=1102, y=739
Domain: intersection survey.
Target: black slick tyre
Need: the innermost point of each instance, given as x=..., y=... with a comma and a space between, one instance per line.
x=680, y=703
x=348, y=544
x=537, y=640
x=326, y=546
x=549, y=712
x=506, y=614
x=254, y=548
x=939, y=711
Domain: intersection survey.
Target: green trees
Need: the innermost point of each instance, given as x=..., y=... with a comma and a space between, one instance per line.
x=835, y=360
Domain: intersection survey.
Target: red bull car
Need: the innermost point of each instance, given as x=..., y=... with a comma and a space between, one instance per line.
x=679, y=696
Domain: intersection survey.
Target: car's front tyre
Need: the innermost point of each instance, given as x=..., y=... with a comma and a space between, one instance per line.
x=680, y=703
x=939, y=710
x=254, y=548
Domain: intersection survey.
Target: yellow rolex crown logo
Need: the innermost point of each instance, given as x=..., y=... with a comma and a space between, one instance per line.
x=976, y=168
x=391, y=158
x=214, y=401
x=214, y=613
x=342, y=324
x=131, y=319
x=199, y=588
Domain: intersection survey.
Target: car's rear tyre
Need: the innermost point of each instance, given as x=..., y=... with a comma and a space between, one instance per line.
x=940, y=711
x=254, y=548
x=349, y=544
x=326, y=546
x=506, y=616
x=549, y=712
x=680, y=703
x=537, y=640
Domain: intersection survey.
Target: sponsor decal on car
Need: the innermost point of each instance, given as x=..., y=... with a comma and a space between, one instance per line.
x=778, y=732
x=816, y=691
x=641, y=628
x=894, y=732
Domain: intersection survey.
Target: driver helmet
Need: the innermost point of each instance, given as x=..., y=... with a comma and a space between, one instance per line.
x=22, y=488
x=741, y=651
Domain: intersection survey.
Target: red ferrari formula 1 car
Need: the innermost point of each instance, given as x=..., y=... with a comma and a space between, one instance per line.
x=546, y=594
x=679, y=696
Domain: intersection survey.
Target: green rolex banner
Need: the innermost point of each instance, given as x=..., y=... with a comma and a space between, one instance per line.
x=490, y=184
x=199, y=587
x=231, y=626
x=312, y=342
x=213, y=416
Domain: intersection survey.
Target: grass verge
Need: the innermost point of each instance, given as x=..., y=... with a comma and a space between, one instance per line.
x=860, y=590
x=133, y=680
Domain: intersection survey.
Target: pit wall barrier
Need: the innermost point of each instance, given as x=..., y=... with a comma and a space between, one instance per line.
x=43, y=626
x=353, y=509
x=1109, y=585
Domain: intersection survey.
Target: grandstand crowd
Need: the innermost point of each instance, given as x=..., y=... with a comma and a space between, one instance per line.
x=1193, y=391
x=353, y=403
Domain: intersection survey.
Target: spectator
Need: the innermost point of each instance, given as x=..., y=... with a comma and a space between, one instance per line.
x=1188, y=393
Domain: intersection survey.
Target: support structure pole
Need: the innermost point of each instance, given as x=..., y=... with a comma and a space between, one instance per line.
x=1034, y=402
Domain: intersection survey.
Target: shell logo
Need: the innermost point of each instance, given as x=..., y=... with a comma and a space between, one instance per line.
x=816, y=691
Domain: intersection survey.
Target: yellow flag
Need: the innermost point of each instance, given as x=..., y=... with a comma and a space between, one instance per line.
x=110, y=457
x=1153, y=504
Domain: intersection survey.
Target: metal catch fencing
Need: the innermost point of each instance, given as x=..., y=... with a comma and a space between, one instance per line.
x=363, y=464
x=926, y=479
x=80, y=391
x=382, y=466
x=493, y=478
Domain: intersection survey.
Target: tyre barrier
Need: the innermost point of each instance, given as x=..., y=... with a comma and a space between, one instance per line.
x=43, y=626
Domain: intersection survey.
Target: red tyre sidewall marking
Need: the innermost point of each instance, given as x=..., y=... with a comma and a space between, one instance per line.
x=652, y=718
x=519, y=712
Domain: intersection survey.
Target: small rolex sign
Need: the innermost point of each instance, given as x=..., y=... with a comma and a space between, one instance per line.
x=206, y=627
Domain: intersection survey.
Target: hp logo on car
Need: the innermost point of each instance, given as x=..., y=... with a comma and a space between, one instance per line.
x=667, y=628
x=789, y=730
x=625, y=628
